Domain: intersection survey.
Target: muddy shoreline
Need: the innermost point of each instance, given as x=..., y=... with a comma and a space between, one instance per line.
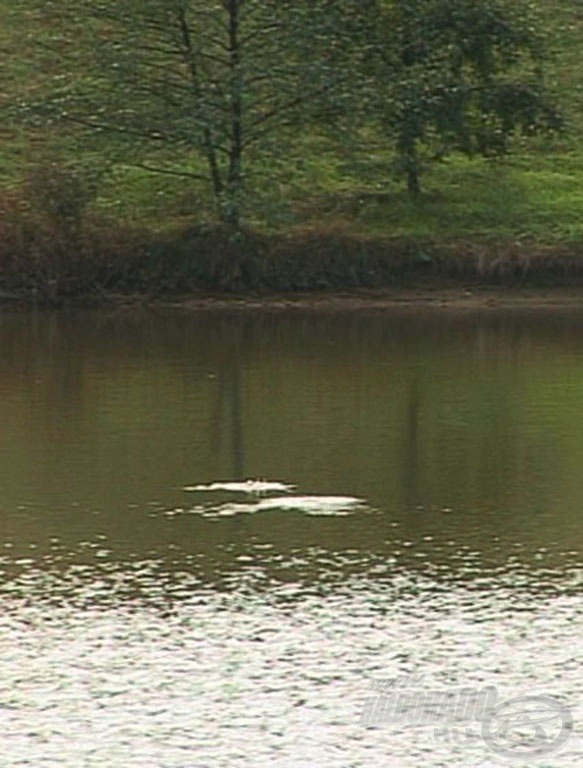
x=406, y=299
x=410, y=300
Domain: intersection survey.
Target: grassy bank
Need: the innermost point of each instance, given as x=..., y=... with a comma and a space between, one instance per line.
x=109, y=263
x=337, y=219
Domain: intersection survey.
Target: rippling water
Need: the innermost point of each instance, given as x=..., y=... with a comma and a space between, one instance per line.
x=218, y=530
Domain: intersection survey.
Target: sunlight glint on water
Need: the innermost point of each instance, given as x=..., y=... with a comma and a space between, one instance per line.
x=217, y=531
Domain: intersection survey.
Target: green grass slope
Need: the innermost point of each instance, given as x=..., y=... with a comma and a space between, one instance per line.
x=532, y=198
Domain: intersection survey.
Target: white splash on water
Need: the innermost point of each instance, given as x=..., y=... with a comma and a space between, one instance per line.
x=339, y=506
x=264, y=496
x=255, y=487
x=314, y=505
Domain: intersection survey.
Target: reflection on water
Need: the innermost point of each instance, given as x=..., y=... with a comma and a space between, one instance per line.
x=217, y=529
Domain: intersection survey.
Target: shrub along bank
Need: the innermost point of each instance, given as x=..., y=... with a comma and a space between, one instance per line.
x=44, y=262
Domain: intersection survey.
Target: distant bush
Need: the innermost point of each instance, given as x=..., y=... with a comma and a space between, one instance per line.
x=52, y=247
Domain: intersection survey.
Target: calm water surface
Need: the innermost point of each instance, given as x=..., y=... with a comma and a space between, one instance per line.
x=415, y=509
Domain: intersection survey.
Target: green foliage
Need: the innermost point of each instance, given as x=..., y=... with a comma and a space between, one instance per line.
x=327, y=91
x=224, y=81
x=61, y=192
x=458, y=75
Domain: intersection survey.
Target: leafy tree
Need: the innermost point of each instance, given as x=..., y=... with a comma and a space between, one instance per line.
x=206, y=88
x=457, y=75
x=223, y=80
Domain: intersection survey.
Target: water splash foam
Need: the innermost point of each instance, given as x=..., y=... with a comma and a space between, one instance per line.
x=254, y=487
x=339, y=506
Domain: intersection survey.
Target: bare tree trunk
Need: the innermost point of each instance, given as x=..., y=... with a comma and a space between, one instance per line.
x=209, y=145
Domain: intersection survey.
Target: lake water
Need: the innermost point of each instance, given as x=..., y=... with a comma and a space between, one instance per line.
x=218, y=531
